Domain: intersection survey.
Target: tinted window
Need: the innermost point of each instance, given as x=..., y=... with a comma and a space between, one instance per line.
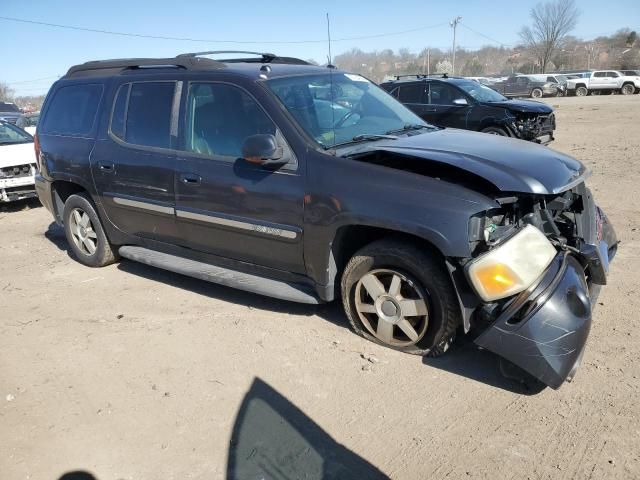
x=612, y=74
x=600, y=74
x=220, y=117
x=73, y=110
x=443, y=94
x=411, y=93
x=119, y=110
x=149, y=114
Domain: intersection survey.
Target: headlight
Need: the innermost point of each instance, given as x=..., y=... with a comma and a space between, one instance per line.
x=513, y=266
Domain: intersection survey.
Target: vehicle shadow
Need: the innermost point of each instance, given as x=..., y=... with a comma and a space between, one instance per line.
x=272, y=438
x=464, y=358
x=20, y=205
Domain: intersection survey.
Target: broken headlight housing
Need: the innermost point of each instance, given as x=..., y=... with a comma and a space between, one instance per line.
x=512, y=266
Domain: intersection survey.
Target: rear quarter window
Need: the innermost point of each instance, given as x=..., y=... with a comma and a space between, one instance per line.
x=73, y=110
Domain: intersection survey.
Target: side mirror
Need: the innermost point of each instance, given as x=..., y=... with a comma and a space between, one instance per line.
x=460, y=101
x=262, y=149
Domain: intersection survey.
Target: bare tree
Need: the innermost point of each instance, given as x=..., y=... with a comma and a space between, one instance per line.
x=552, y=22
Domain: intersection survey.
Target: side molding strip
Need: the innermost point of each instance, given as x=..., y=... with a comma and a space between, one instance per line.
x=144, y=205
x=278, y=232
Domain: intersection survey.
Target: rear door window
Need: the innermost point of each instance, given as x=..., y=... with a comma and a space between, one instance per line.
x=73, y=110
x=148, y=116
x=411, y=93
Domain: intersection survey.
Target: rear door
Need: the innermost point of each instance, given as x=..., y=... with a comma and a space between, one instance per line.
x=225, y=205
x=414, y=96
x=442, y=109
x=133, y=162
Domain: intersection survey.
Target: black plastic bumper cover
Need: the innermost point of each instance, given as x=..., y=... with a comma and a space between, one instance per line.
x=544, y=332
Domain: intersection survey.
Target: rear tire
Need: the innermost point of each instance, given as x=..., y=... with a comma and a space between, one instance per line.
x=496, y=131
x=582, y=92
x=401, y=297
x=85, y=234
x=628, y=89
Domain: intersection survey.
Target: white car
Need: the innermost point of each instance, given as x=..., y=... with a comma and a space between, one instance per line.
x=17, y=164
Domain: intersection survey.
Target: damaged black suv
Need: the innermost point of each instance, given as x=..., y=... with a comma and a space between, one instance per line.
x=312, y=184
x=464, y=103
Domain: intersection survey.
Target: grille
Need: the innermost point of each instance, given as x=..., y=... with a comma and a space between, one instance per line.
x=16, y=171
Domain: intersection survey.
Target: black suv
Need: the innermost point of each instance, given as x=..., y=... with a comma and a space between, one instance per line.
x=311, y=184
x=470, y=105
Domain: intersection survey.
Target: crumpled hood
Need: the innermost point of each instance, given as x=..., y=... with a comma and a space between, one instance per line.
x=18, y=154
x=522, y=106
x=509, y=164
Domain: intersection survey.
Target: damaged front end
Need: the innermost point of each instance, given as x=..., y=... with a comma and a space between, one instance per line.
x=542, y=328
x=535, y=127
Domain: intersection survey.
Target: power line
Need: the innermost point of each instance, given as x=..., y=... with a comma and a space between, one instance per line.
x=185, y=39
x=485, y=36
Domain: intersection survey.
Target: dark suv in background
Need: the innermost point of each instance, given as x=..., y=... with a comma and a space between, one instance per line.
x=312, y=184
x=470, y=105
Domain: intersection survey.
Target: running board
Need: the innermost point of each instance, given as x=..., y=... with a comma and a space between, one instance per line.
x=219, y=275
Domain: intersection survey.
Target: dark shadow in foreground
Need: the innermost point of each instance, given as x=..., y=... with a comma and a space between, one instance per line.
x=468, y=360
x=77, y=475
x=20, y=205
x=273, y=439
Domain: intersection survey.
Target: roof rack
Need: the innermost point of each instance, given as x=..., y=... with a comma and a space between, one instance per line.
x=422, y=75
x=187, y=61
x=264, y=57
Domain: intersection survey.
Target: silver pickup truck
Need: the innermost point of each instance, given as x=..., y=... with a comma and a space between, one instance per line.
x=604, y=81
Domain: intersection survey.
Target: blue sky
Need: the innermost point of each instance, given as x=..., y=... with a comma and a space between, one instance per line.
x=31, y=52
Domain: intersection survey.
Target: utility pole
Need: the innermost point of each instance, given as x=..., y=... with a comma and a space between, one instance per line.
x=453, y=24
x=428, y=61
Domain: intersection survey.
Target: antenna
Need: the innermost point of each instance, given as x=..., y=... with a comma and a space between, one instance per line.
x=329, y=39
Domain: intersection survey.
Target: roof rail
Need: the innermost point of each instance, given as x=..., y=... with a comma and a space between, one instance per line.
x=264, y=57
x=135, y=63
x=424, y=75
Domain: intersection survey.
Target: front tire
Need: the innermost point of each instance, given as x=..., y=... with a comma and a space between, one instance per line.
x=495, y=131
x=536, y=93
x=401, y=297
x=85, y=234
x=581, y=92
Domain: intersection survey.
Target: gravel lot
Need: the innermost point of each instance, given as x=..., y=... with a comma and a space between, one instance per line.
x=129, y=372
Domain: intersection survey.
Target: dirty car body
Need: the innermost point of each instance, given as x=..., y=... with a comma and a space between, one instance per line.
x=347, y=165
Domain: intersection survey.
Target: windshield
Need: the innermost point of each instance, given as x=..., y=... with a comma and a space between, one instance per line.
x=10, y=135
x=336, y=108
x=481, y=92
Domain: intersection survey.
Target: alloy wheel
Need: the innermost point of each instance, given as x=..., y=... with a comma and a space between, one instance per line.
x=628, y=89
x=82, y=231
x=392, y=307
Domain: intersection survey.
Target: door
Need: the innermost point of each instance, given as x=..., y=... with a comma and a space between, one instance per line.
x=613, y=80
x=133, y=164
x=226, y=205
x=599, y=80
x=414, y=97
x=445, y=106
x=511, y=86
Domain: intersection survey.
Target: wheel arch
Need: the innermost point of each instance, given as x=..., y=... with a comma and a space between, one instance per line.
x=61, y=190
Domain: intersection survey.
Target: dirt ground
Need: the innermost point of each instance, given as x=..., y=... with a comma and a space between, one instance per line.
x=129, y=372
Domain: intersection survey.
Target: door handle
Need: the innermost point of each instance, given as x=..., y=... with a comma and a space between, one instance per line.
x=106, y=167
x=431, y=110
x=190, y=179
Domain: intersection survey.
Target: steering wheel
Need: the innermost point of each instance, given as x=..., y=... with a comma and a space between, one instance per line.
x=344, y=118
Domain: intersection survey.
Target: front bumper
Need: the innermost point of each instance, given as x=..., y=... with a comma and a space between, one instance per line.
x=544, y=330
x=17, y=188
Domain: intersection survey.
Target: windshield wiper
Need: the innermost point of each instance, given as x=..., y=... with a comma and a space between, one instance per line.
x=373, y=136
x=410, y=126
x=364, y=136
